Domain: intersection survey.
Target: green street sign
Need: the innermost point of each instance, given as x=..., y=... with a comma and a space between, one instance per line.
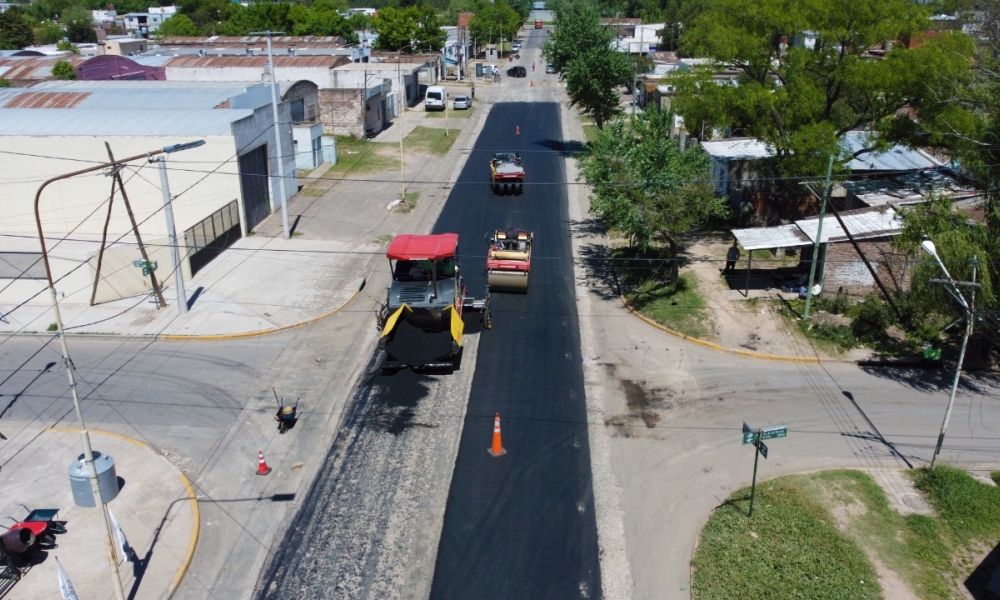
x=769, y=433
x=147, y=266
x=749, y=435
x=761, y=447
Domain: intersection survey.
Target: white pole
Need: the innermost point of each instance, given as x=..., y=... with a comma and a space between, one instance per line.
x=168, y=211
x=282, y=196
x=402, y=175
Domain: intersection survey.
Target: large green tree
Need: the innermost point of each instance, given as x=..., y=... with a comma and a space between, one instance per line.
x=414, y=28
x=15, y=30
x=494, y=22
x=807, y=75
x=645, y=185
x=581, y=49
x=178, y=25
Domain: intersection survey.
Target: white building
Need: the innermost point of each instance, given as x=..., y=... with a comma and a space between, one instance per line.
x=223, y=188
x=144, y=23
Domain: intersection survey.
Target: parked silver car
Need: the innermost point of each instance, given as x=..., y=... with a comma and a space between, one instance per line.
x=461, y=103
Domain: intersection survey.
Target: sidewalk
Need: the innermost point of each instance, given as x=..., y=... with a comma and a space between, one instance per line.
x=155, y=508
x=259, y=284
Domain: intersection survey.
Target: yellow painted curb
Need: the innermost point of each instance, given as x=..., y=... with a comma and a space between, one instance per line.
x=218, y=337
x=191, y=497
x=714, y=346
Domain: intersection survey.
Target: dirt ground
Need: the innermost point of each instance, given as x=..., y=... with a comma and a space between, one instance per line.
x=739, y=323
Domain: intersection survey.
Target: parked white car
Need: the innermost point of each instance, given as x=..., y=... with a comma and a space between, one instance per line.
x=461, y=103
x=436, y=98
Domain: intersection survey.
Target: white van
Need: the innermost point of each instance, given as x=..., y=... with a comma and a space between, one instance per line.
x=436, y=98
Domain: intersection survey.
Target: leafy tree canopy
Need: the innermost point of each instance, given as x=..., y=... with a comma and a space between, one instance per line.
x=492, y=22
x=645, y=186
x=413, y=28
x=178, y=25
x=15, y=31
x=63, y=70
x=801, y=100
x=81, y=31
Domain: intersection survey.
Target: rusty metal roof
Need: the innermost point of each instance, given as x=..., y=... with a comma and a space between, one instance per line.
x=259, y=62
x=254, y=40
x=26, y=68
x=46, y=100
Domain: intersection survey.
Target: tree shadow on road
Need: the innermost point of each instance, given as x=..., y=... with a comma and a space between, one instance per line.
x=934, y=379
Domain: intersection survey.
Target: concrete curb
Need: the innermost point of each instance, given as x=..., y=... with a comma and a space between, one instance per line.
x=217, y=337
x=720, y=348
x=191, y=497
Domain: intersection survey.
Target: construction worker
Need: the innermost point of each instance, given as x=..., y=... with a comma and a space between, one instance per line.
x=732, y=255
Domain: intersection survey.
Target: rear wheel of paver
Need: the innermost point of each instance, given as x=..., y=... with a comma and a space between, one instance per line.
x=520, y=189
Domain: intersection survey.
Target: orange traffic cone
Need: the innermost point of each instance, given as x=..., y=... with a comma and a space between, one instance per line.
x=531, y=83
x=497, y=448
x=262, y=468
x=517, y=130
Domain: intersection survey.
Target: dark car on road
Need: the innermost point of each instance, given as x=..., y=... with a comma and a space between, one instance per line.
x=550, y=68
x=517, y=72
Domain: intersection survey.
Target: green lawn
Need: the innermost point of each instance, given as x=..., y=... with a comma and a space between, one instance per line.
x=430, y=139
x=453, y=114
x=361, y=156
x=677, y=306
x=795, y=541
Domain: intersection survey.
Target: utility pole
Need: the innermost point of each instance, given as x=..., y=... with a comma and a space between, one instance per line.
x=969, y=307
x=278, y=146
x=88, y=451
x=402, y=171
x=819, y=238
x=175, y=254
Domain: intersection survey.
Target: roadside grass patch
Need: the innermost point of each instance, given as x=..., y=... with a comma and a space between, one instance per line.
x=791, y=548
x=430, y=139
x=677, y=305
x=452, y=114
x=360, y=156
x=409, y=202
x=815, y=535
x=590, y=132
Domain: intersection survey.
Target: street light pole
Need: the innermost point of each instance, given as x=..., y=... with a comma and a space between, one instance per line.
x=88, y=451
x=278, y=146
x=402, y=174
x=969, y=309
x=168, y=211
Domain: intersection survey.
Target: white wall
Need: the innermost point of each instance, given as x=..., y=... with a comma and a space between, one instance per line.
x=318, y=75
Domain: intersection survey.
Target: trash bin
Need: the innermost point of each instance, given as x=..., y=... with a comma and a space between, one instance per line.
x=79, y=480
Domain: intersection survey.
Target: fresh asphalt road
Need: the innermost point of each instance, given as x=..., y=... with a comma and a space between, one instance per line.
x=518, y=526
x=522, y=525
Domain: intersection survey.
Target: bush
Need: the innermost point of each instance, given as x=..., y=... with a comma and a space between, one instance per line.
x=63, y=70
x=870, y=320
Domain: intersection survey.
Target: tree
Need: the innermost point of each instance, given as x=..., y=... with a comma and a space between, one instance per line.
x=428, y=32
x=581, y=49
x=645, y=185
x=208, y=15
x=63, y=70
x=494, y=22
x=15, y=31
x=801, y=99
x=178, y=26
x=81, y=31
x=593, y=79
x=48, y=33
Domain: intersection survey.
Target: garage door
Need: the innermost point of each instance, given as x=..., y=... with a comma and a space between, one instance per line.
x=253, y=181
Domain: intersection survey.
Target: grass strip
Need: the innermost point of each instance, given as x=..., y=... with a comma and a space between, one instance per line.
x=676, y=305
x=430, y=139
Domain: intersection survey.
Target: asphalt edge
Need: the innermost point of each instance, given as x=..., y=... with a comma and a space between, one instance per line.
x=719, y=347
x=191, y=497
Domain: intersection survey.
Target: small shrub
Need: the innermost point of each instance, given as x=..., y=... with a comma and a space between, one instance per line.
x=870, y=320
x=53, y=327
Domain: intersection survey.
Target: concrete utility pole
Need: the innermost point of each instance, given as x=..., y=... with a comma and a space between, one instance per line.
x=402, y=173
x=278, y=146
x=88, y=451
x=969, y=307
x=168, y=211
x=819, y=238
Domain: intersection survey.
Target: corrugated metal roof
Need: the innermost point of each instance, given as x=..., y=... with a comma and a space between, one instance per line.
x=132, y=94
x=738, y=149
x=898, y=158
x=258, y=62
x=28, y=68
x=134, y=122
x=762, y=238
x=254, y=40
x=863, y=223
x=46, y=100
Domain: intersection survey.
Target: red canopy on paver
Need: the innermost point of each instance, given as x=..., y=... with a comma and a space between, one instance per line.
x=422, y=247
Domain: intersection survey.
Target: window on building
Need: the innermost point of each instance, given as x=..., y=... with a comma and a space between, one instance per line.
x=298, y=111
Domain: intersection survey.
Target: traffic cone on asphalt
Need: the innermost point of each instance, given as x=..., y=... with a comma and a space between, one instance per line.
x=497, y=448
x=531, y=83
x=262, y=468
x=517, y=130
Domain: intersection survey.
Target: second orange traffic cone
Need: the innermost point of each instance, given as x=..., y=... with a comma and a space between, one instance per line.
x=517, y=130
x=262, y=468
x=497, y=448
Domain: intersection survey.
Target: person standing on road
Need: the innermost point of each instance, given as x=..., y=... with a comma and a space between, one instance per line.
x=732, y=255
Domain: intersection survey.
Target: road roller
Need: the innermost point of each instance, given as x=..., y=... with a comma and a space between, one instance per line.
x=506, y=173
x=508, y=260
